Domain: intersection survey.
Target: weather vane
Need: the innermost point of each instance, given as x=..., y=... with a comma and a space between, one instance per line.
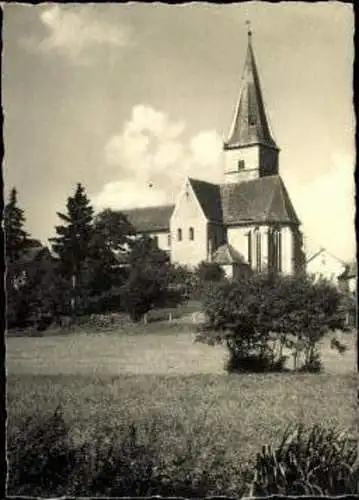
x=248, y=23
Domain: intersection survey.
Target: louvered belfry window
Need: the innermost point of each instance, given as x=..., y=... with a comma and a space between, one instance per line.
x=241, y=165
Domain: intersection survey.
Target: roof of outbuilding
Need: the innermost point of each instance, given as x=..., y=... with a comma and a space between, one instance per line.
x=149, y=219
x=263, y=200
x=226, y=254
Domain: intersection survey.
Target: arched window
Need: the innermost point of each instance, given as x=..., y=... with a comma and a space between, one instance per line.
x=179, y=234
x=169, y=240
x=258, y=250
x=249, y=248
x=155, y=239
x=276, y=250
x=191, y=233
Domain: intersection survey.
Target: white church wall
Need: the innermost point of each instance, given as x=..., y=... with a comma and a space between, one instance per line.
x=188, y=214
x=287, y=251
x=237, y=237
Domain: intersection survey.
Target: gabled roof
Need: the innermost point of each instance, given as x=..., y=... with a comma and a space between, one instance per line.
x=325, y=251
x=250, y=124
x=226, y=254
x=262, y=200
x=209, y=198
x=150, y=219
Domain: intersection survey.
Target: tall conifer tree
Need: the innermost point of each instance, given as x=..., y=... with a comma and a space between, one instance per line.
x=16, y=237
x=73, y=241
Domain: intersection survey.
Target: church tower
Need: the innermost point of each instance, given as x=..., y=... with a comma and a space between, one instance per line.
x=250, y=151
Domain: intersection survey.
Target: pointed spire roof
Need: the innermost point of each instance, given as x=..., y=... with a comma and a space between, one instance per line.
x=250, y=124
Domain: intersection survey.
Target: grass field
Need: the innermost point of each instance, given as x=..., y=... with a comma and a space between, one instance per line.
x=105, y=381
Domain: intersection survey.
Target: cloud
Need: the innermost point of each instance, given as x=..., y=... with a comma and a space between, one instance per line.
x=126, y=193
x=151, y=150
x=75, y=32
x=326, y=207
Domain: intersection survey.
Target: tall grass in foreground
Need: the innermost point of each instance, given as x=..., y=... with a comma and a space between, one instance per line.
x=43, y=460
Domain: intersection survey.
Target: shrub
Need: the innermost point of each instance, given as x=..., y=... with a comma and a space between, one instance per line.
x=39, y=456
x=316, y=462
x=254, y=363
x=257, y=313
x=209, y=271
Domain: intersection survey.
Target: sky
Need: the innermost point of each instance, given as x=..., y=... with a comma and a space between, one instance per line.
x=129, y=99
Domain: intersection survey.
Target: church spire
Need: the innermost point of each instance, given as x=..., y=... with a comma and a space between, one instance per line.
x=250, y=124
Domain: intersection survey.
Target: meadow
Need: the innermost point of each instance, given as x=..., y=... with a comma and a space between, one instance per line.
x=157, y=376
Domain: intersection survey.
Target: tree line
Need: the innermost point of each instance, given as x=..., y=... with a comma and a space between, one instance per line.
x=98, y=264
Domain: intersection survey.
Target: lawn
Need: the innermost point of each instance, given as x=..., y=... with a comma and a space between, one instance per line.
x=108, y=380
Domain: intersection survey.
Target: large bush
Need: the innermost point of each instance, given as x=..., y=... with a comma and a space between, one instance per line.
x=261, y=314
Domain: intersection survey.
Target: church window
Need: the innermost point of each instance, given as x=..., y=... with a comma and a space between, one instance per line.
x=258, y=251
x=179, y=234
x=277, y=243
x=249, y=248
x=155, y=239
x=240, y=164
x=191, y=233
x=279, y=251
x=169, y=240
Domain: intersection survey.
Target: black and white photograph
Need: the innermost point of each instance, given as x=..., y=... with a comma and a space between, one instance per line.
x=180, y=249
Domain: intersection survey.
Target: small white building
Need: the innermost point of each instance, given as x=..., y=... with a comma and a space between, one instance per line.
x=324, y=265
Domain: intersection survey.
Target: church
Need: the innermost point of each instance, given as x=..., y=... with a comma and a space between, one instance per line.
x=246, y=223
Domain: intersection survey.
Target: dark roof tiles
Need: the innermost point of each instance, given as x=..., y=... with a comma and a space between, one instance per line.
x=209, y=197
x=226, y=254
x=263, y=200
x=150, y=219
x=250, y=124
x=257, y=201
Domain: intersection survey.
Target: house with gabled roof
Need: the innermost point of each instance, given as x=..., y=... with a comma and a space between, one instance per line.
x=325, y=265
x=249, y=220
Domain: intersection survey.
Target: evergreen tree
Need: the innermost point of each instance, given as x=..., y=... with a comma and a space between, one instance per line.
x=15, y=236
x=73, y=241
